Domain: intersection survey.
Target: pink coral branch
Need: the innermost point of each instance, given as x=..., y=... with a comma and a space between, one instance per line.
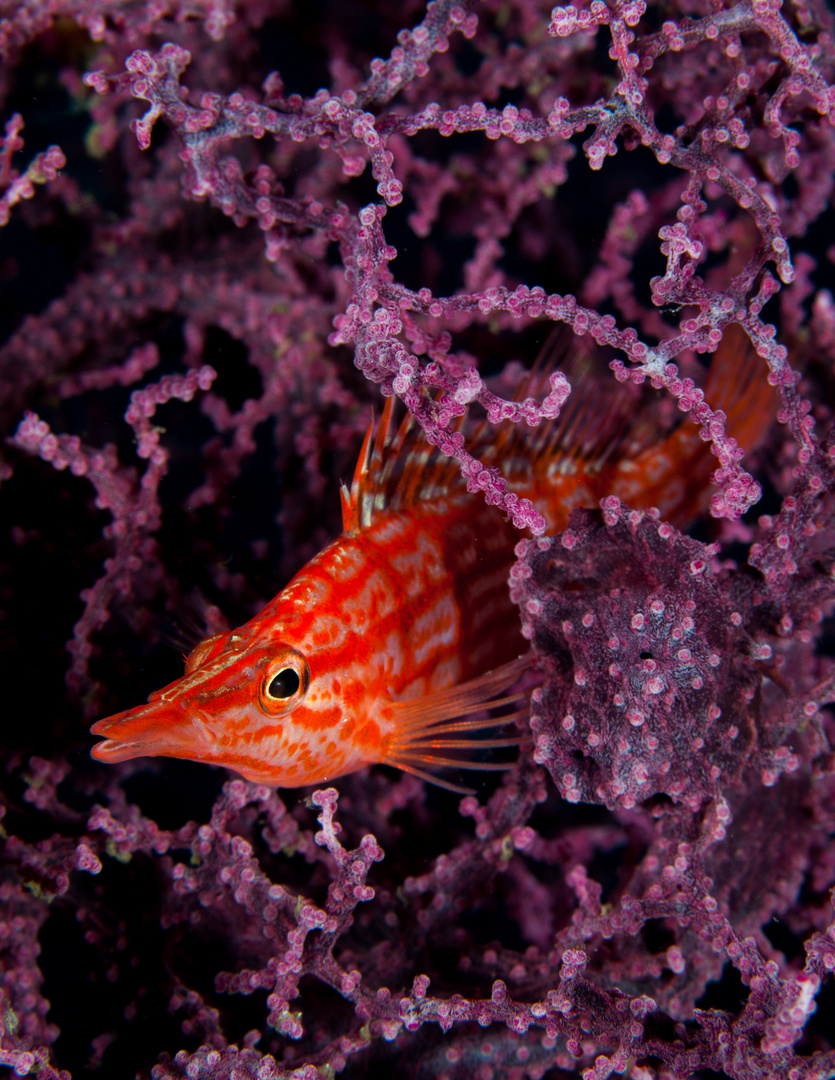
x=649, y=890
x=16, y=186
x=134, y=508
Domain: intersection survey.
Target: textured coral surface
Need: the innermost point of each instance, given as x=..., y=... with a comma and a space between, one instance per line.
x=225, y=229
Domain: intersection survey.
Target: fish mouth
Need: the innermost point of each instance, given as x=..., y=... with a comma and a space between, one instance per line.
x=158, y=729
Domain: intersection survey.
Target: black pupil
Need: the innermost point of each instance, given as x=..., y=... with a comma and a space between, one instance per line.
x=285, y=684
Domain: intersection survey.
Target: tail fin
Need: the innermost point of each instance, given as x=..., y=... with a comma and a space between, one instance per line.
x=737, y=385
x=674, y=475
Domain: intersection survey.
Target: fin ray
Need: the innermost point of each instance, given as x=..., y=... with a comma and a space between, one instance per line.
x=437, y=762
x=469, y=725
x=397, y=468
x=467, y=744
x=737, y=385
x=428, y=727
x=421, y=774
x=468, y=697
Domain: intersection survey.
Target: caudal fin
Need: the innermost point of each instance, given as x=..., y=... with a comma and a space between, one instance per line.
x=737, y=384
x=674, y=475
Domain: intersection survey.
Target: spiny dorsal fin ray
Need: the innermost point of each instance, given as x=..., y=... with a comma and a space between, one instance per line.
x=396, y=469
x=604, y=431
x=352, y=497
x=359, y=502
x=600, y=420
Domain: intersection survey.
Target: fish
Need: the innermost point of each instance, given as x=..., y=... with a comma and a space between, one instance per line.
x=398, y=644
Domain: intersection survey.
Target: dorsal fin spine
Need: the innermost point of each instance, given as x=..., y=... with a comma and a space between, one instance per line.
x=359, y=503
x=352, y=500
x=350, y=518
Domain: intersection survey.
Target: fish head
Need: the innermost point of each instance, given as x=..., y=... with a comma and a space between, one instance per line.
x=246, y=701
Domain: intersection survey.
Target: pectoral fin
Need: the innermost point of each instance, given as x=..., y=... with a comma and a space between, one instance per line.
x=430, y=727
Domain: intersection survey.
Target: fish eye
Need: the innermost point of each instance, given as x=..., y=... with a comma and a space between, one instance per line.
x=284, y=684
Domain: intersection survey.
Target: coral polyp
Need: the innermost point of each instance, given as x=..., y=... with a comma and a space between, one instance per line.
x=229, y=231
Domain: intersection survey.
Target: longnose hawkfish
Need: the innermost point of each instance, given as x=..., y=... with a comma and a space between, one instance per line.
x=391, y=644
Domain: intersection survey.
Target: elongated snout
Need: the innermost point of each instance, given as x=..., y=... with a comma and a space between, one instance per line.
x=157, y=729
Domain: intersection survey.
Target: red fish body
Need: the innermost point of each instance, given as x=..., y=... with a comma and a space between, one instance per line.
x=382, y=645
x=364, y=642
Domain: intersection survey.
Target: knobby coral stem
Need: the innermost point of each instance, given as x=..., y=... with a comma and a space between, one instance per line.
x=210, y=271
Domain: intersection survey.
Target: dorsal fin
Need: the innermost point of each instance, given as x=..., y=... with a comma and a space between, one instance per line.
x=560, y=463
x=358, y=502
x=620, y=439
x=609, y=438
x=396, y=469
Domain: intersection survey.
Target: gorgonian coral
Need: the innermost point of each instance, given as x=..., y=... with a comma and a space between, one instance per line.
x=226, y=228
x=665, y=678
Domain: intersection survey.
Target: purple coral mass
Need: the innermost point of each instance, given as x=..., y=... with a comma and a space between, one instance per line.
x=227, y=229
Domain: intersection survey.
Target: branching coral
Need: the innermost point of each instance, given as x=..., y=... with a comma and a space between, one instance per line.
x=211, y=269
